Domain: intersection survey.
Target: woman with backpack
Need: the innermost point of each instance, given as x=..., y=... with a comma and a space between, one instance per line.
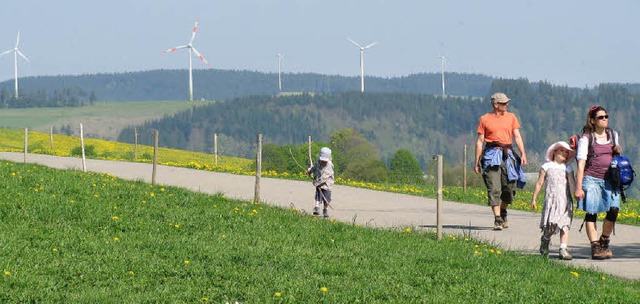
x=596, y=148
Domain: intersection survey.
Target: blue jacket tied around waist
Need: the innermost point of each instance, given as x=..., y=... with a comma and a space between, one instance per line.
x=493, y=157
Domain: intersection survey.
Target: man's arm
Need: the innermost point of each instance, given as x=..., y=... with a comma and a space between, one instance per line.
x=520, y=145
x=479, y=143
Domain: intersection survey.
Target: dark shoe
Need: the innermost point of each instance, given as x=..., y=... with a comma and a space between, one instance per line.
x=544, y=245
x=325, y=213
x=316, y=211
x=505, y=223
x=497, y=224
x=596, y=251
x=564, y=254
x=604, y=244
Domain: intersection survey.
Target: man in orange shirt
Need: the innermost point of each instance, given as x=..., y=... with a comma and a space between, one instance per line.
x=496, y=159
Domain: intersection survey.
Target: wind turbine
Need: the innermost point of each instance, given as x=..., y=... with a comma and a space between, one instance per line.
x=280, y=59
x=362, y=48
x=191, y=49
x=16, y=51
x=443, y=92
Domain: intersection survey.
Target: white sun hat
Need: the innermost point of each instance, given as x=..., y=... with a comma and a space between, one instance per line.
x=558, y=145
x=325, y=154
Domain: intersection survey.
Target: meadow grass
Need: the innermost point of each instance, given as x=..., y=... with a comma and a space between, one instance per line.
x=69, y=236
x=102, y=119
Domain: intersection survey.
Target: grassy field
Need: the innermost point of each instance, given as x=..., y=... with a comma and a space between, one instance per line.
x=101, y=120
x=92, y=238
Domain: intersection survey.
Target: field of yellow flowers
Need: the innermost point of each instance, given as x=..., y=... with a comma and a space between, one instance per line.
x=63, y=145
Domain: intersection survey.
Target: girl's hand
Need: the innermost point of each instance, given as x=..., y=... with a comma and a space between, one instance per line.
x=533, y=205
x=579, y=194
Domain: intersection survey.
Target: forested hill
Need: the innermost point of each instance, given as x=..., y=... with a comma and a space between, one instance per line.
x=423, y=124
x=213, y=84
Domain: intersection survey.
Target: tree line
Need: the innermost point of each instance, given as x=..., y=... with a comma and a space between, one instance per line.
x=214, y=84
x=63, y=97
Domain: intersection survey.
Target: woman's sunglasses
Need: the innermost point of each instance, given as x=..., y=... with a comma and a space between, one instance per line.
x=601, y=117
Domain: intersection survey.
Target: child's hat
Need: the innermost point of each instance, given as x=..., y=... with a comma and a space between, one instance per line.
x=561, y=144
x=325, y=154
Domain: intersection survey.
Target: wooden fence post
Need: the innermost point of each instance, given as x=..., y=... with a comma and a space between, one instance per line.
x=26, y=143
x=464, y=170
x=215, y=148
x=439, y=199
x=155, y=158
x=51, y=138
x=84, y=159
x=256, y=197
x=135, y=145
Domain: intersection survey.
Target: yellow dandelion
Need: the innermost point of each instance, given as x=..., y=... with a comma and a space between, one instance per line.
x=153, y=194
x=115, y=217
x=324, y=289
x=54, y=249
x=177, y=226
x=116, y=239
x=492, y=250
x=186, y=262
x=131, y=272
x=277, y=294
x=575, y=274
x=407, y=230
x=498, y=252
x=7, y=272
x=603, y=278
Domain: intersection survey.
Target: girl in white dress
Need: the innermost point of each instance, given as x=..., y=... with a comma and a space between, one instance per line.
x=557, y=212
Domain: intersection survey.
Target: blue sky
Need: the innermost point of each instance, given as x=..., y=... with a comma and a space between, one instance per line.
x=577, y=43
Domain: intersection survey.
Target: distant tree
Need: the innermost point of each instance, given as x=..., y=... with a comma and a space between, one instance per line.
x=355, y=157
x=404, y=168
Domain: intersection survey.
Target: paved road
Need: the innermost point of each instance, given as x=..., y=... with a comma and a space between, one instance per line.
x=375, y=208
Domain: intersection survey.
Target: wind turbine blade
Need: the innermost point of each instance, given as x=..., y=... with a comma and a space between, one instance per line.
x=18, y=40
x=6, y=52
x=200, y=56
x=23, y=56
x=354, y=42
x=173, y=49
x=193, y=33
x=370, y=45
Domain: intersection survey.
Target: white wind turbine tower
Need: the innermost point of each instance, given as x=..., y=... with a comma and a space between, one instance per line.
x=362, y=48
x=280, y=59
x=191, y=49
x=443, y=92
x=16, y=51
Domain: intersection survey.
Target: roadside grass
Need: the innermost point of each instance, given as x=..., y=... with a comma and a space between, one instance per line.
x=13, y=140
x=69, y=236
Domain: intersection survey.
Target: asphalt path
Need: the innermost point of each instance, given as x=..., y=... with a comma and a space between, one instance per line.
x=375, y=209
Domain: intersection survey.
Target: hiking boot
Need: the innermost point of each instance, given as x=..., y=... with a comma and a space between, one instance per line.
x=325, y=213
x=604, y=244
x=505, y=223
x=316, y=211
x=544, y=245
x=596, y=251
x=564, y=254
x=497, y=224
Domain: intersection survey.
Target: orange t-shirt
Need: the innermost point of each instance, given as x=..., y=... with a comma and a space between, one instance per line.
x=498, y=128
